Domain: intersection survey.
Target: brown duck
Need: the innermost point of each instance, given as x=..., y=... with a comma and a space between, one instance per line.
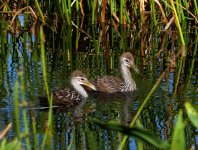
x=70, y=96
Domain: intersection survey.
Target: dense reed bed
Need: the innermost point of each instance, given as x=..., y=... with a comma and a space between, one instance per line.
x=89, y=34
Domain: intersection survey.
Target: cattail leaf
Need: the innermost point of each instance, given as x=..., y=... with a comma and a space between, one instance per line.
x=136, y=132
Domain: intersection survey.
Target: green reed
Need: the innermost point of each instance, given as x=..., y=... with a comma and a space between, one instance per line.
x=183, y=48
x=26, y=130
x=122, y=145
x=66, y=10
x=40, y=11
x=192, y=64
x=48, y=133
x=16, y=109
x=93, y=5
x=121, y=12
x=153, y=13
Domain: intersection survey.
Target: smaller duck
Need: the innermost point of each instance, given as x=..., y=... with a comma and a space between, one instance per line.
x=70, y=96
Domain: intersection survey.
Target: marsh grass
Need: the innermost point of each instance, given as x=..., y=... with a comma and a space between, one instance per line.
x=136, y=14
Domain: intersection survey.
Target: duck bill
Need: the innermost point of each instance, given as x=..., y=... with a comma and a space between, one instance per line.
x=89, y=84
x=134, y=67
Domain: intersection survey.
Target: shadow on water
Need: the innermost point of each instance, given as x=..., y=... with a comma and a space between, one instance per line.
x=96, y=52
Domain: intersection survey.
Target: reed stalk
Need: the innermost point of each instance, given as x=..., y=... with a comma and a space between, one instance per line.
x=183, y=49
x=66, y=8
x=16, y=109
x=192, y=64
x=153, y=12
x=122, y=146
x=77, y=5
x=34, y=131
x=49, y=96
x=121, y=11
x=196, y=7
x=103, y=11
x=26, y=130
x=40, y=11
x=93, y=11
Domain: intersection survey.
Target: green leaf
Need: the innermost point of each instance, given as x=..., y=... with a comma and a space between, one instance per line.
x=14, y=145
x=178, y=137
x=3, y=143
x=139, y=133
x=192, y=114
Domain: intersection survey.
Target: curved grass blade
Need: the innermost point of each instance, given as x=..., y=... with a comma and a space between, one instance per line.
x=178, y=138
x=136, y=132
x=13, y=145
x=192, y=114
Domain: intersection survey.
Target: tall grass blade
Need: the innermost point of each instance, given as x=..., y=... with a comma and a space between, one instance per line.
x=122, y=145
x=178, y=23
x=192, y=113
x=139, y=133
x=13, y=145
x=192, y=66
x=16, y=109
x=93, y=10
x=44, y=70
x=40, y=11
x=26, y=130
x=178, y=137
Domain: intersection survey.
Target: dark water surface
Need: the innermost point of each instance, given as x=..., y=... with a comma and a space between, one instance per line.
x=96, y=53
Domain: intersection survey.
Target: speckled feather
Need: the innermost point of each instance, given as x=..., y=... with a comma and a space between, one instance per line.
x=69, y=96
x=110, y=84
x=66, y=97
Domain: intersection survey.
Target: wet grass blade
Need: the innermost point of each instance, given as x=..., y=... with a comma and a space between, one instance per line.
x=26, y=130
x=139, y=133
x=93, y=10
x=44, y=70
x=16, y=109
x=178, y=137
x=140, y=144
x=192, y=113
x=13, y=145
x=122, y=145
x=40, y=11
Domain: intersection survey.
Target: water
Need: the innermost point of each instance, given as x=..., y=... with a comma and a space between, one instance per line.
x=70, y=49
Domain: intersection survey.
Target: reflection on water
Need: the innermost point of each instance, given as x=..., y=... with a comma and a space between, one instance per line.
x=22, y=53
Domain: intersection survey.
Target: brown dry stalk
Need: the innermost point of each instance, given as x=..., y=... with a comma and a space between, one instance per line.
x=103, y=11
x=3, y=133
x=81, y=8
x=169, y=23
x=162, y=11
x=142, y=10
x=116, y=17
x=18, y=12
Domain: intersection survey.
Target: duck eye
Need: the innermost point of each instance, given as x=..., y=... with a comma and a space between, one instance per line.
x=127, y=60
x=82, y=79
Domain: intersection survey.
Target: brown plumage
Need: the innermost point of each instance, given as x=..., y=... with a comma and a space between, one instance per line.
x=110, y=84
x=70, y=96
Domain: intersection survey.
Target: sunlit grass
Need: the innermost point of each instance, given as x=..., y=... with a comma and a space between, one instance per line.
x=122, y=13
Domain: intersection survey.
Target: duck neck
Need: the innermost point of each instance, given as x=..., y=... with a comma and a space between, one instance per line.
x=78, y=88
x=126, y=74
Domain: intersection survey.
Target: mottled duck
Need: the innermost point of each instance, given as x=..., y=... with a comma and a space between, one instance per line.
x=70, y=96
x=110, y=84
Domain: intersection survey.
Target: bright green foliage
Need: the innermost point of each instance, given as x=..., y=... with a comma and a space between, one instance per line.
x=136, y=132
x=13, y=145
x=192, y=114
x=178, y=139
